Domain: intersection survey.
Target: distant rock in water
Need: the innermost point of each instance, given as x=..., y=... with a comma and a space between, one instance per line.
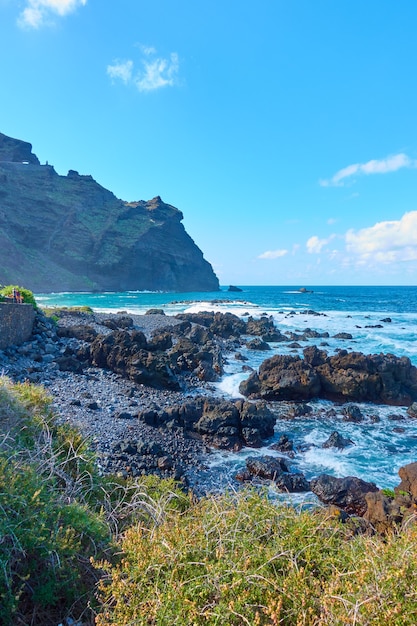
x=68, y=233
x=234, y=289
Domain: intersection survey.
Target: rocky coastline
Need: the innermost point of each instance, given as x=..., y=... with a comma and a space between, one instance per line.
x=140, y=389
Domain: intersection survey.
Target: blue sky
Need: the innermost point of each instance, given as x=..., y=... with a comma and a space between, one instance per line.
x=286, y=131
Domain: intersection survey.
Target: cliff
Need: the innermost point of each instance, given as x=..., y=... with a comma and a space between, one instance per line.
x=68, y=233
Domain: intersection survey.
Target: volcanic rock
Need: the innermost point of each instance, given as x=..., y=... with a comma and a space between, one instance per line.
x=337, y=441
x=378, y=378
x=221, y=423
x=347, y=493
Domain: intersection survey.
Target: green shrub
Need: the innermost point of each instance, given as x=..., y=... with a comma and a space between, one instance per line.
x=27, y=295
x=56, y=312
x=235, y=560
x=51, y=521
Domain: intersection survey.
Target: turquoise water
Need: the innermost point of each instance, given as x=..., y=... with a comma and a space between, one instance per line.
x=380, y=448
x=361, y=299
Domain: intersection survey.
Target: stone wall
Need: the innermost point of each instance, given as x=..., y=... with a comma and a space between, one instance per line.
x=16, y=323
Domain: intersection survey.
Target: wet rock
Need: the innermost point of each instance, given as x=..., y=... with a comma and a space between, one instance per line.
x=347, y=493
x=272, y=468
x=155, y=312
x=261, y=326
x=292, y=483
x=223, y=325
x=342, y=336
x=336, y=440
x=282, y=377
x=298, y=409
x=160, y=342
x=284, y=445
x=352, y=413
x=258, y=344
x=382, y=379
x=268, y=467
x=274, y=336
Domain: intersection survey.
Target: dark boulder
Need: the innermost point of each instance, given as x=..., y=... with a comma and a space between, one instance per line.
x=119, y=321
x=268, y=467
x=256, y=422
x=258, y=344
x=282, y=377
x=284, y=445
x=292, y=483
x=272, y=468
x=160, y=342
x=126, y=353
x=260, y=326
x=347, y=493
x=352, y=376
x=224, y=325
x=69, y=364
x=379, y=378
x=352, y=413
x=220, y=423
x=83, y=332
x=337, y=441
x=275, y=336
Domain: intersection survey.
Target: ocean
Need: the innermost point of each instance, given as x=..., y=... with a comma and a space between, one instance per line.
x=380, y=320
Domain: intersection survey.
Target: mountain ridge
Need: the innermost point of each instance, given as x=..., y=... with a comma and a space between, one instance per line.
x=68, y=233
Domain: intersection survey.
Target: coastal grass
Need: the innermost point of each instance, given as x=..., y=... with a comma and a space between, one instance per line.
x=50, y=521
x=143, y=552
x=57, y=512
x=60, y=311
x=240, y=559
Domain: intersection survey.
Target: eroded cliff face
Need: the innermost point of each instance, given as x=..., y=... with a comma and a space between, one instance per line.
x=67, y=233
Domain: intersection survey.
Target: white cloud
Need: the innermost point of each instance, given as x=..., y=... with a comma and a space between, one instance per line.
x=273, y=254
x=385, y=242
x=38, y=12
x=121, y=70
x=315, y=245
x=158, y=73
x=381, y=166
x=155, y=72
